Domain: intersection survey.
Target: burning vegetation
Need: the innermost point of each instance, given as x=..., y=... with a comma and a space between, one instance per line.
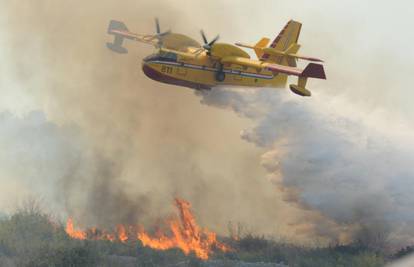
x=30, y=237
x=183, y=233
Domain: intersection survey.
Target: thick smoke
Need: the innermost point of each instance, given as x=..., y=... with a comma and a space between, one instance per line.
x=48, y=162
x=136, y=144
x=34, y=148
x=117, y=147
x=329, y=161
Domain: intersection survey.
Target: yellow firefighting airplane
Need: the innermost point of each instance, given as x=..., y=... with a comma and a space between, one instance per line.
x=182, y=61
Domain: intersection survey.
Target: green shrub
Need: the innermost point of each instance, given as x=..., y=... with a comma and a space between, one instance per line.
x=31, y=239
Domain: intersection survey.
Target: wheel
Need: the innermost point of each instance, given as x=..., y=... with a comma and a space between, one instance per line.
x=220, y=76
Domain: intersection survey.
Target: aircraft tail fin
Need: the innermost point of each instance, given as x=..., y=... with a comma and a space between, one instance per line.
x=286, y=40
x=292, y=50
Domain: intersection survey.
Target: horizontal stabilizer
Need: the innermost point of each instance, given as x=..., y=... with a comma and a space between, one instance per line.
x=305, y=58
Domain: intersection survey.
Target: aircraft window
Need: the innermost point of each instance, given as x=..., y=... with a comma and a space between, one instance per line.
x=162, y=56
x=151, y=57
x=169, y=56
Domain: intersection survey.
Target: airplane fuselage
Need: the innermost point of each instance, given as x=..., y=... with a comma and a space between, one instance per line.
x=202, y=73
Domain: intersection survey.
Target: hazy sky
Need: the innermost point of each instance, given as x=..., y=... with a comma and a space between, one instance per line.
x=366, y=45
x=68, y=101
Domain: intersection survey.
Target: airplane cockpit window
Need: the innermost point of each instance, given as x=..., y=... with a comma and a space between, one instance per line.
x=169, y=56
x=163, y=56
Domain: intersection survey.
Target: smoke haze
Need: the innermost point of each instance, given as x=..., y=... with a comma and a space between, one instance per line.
x=85, y=130
x=139, y=143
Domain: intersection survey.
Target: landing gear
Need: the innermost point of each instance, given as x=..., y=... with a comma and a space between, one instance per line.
x=220, y=76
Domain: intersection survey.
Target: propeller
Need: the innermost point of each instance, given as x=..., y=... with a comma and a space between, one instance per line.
x=208, y=45
x=159, y=34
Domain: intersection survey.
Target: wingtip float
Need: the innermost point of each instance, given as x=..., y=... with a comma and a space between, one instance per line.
x=182, y=61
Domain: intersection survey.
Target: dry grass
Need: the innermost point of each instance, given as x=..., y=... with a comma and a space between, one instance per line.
x=30, y=238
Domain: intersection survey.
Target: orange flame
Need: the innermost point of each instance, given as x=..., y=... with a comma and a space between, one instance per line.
x=122, y=234
x=185, y=234
x=70, y=230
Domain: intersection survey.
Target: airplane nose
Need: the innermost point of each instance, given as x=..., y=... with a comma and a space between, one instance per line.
x=150, y=72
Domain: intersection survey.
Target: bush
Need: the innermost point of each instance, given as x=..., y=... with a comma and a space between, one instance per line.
x=253, y=243
x=31, y=239
x=404, y=252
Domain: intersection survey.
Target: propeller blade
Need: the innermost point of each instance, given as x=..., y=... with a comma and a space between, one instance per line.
x=208, y=45
x=204, y=37
x=157, y=25
x=214, y=40
x=164, y=33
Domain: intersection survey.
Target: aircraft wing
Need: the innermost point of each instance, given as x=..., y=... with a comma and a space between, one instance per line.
x=312, y=70
x=148, y=39
x=120, y=32
x=165, y=39
x=186, y=55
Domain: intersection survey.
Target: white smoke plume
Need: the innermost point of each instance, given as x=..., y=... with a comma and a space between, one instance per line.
x=337, y=163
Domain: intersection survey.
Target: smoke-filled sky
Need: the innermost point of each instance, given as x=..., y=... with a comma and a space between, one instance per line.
x=83, y=129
